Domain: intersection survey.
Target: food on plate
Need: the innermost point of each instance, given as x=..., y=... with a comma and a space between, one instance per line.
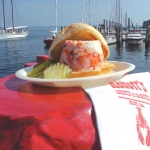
x=77, y=31
x=108, y=67
x=83, y=48
x=82, y=55
x=48, y=69
x=37, y=71
x=57, y=71
x=80, y=49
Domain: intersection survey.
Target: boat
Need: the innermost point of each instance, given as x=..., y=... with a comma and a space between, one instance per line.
x=111, y=39
x=49, y=40
x=53, y=33
x=134, y=38
x=12, y=32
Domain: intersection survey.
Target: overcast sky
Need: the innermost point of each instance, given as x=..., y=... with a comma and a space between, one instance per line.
x=42, y=12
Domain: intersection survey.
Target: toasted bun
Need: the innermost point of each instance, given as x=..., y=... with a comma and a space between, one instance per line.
x=77, y=31
x=108, y=67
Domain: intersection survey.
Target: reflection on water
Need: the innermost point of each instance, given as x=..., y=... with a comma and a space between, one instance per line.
x=147, y=51
x=15, y=53
x=136, y=54
x=46, y=47
x=133, y=48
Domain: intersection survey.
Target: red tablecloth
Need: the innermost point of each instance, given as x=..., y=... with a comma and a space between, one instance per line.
x=43, y=118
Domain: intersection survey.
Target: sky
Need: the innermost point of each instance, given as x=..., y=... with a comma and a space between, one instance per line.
x=42, y=12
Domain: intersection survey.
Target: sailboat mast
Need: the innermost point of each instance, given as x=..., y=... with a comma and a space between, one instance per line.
x=4, y=14
x=108, y=17
x=89, y=12
x=83, y=11
x=56, y=13
x=12, y=14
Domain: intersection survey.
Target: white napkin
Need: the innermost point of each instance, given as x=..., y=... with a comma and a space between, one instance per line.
x=123, y=112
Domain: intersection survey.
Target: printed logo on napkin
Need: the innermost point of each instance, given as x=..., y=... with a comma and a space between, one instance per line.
x=123, y=112
x=137, y=95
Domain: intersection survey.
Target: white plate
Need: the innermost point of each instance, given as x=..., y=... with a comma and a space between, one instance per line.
x=120, y=69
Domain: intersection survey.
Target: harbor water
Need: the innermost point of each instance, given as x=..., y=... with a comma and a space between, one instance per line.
x=16, y=52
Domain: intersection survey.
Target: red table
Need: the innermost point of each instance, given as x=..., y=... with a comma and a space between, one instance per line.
x=42, y=118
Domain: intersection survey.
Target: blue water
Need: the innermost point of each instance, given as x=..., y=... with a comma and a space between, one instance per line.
x=15, y=53
x=138, y=55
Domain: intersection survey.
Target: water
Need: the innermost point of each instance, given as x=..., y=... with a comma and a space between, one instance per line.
x=139, y=55
x=15, y=53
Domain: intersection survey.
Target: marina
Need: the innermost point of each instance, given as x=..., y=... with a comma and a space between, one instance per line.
x=16, y=52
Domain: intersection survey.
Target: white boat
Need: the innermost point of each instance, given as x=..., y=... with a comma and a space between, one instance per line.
x=12, y=32
x=49, y=40
x=134, y=38
x=16, y=32
x=110, y=39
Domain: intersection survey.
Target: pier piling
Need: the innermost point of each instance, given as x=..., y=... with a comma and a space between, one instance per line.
x=119, y=32
x=147, y=35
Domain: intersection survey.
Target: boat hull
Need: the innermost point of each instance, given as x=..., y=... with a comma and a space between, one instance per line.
x=48, y=42
x=12, y=35
x=134, y=41
x=111, y=40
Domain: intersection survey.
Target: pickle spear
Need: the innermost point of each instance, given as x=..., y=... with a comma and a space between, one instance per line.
x=38, y=70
